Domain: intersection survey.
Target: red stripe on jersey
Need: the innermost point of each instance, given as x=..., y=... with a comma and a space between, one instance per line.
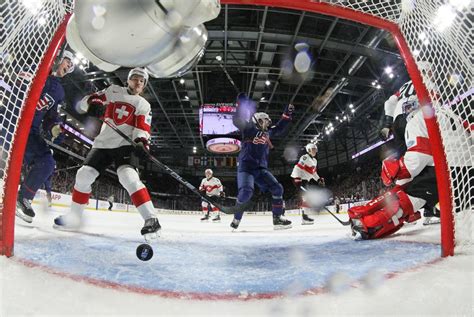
x=306, y=168
x=79, y=197
x=211, y=188
x=140, y=197
x=285, y=117
x=140, y=123
x=422, y=145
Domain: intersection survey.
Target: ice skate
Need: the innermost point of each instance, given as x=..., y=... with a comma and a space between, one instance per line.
x=151, y=229
x=235, y=224
x=205, y=218
x=307, y=220
x=24, y=210
x=280, y=223
x=430, y=221
x=217, y=219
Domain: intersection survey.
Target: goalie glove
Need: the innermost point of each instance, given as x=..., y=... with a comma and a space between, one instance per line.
x=142, y=148
x=392, y=170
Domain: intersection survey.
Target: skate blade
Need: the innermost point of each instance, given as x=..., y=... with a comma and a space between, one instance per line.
x=23, y=217
x=279, y=227
x=307, y=223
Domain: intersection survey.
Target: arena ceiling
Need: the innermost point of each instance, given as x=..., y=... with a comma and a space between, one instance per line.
x=253, y=42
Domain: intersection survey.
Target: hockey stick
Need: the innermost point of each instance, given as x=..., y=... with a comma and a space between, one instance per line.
x=342, y=222
x=229, y=78
x=227, y=210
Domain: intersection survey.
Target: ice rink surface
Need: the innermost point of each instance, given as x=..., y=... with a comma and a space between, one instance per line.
x=206, y=269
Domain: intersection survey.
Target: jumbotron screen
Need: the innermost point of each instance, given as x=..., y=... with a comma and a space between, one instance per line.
x=216, y=119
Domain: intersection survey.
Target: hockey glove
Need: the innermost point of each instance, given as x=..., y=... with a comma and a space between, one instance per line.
x=384, y=133
x=142, y=148
x=222, y=194
x=56, y=131
x=321, y=182
x=392, y=170
x=288, y=112
x=96, y=106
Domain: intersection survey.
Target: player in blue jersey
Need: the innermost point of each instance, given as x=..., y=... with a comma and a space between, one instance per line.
x=38, y=155
x=257, y=133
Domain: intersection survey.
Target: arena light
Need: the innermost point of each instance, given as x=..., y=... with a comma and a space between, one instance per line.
x=444, y=17
x=353, y=110
x=181, y=81
x=267, y=82
x=391, y=75
x=351, y=106
x=219, y=58
x=388, y=70
x=378, y=86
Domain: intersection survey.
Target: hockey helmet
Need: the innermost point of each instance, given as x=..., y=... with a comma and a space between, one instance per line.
x=139, y=72
x=261, y=120
x=208, y=172
x=410, y=105
x=311, y=146
x=69, y=55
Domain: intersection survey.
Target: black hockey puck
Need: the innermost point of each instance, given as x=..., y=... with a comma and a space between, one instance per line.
x=144, y=252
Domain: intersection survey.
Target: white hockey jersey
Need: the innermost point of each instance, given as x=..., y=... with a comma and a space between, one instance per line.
x=213, y=186
x=131, y=114
x=393, y=105
x=306, y=168
x=418, y=154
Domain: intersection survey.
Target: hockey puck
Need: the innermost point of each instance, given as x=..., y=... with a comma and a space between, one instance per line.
x=144, y=252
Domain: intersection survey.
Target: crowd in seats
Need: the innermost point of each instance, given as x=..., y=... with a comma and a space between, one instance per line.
x=349, y=182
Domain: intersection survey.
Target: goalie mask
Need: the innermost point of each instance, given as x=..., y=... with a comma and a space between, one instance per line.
x=310, y=147
x=139, y=72
x=261, y=120
x=410, y=105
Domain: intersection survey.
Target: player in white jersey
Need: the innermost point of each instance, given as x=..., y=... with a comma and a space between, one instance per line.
x=213, y=188
x=305, y=174
x=415, y=184
x=394, y=118
x=124, y=108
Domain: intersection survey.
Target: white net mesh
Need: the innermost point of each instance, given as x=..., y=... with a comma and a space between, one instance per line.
x=27, y=28
x=439, y=32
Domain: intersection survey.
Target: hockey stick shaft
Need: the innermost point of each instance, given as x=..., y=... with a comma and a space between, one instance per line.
x=342, y=222
x=176, y=176
x=229, y=78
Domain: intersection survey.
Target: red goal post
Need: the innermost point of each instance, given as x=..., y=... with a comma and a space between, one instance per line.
x=32, y=31
x=31, y=35
x=413, y=23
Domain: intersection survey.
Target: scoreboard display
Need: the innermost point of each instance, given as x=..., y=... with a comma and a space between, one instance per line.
x=216, y=119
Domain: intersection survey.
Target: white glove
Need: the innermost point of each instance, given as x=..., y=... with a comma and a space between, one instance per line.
x=55, y=131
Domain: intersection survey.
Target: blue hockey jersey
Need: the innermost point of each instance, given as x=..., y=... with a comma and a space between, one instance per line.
x=256, y=144
x=46, y=113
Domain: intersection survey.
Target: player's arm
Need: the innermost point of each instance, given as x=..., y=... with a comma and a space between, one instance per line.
x=389, y=110
x=142, y=127
x=280, y=128
x=220, y=188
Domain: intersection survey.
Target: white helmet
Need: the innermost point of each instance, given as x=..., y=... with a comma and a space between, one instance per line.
x=410, y=105
x=69, y=55
x=140, y=72
x=208, y=171
x=261, y=120
x=311, y=146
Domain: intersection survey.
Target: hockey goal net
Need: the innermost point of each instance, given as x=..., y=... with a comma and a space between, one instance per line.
x=436, y=31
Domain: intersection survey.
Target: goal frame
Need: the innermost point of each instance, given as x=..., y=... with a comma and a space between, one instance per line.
x=13, y=172
x=439, y=157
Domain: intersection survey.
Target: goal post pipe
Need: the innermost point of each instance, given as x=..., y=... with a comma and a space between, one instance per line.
x=21, y=137
x=439, y=157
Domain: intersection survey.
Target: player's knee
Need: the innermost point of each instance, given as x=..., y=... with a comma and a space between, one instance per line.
x=277, y=190
x=129, y=179
x=86, y=175
x=245, y=193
